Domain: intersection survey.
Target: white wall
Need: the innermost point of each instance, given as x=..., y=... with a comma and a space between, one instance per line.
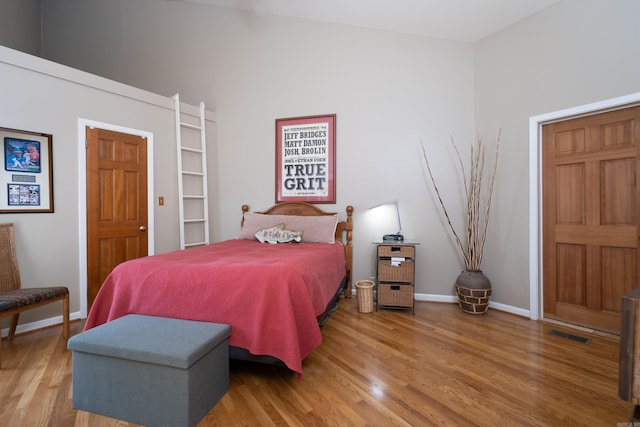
x=388, y=91
x=41, y=96
x=577, y=52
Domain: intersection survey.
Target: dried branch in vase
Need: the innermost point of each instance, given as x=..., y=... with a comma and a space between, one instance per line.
x=477, y=211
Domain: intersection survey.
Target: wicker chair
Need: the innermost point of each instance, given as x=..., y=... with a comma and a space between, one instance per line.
x=14, y=299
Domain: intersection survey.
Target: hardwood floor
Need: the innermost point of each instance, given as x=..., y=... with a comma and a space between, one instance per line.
x=439, y=367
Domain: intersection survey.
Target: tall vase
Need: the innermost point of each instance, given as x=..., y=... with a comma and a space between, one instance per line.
x=474, y=291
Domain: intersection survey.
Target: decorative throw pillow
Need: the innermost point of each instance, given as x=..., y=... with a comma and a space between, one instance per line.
x=278, y=234
x=316, y=229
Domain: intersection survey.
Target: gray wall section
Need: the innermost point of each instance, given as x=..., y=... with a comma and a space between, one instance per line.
x=20, y=25
x=388, y=91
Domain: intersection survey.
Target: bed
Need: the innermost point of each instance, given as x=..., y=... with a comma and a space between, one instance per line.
x=275, y=296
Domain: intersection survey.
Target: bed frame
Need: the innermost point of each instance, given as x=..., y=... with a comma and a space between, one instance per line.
x=344, y=230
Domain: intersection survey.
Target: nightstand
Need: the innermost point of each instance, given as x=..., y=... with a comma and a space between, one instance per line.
x=395, y=275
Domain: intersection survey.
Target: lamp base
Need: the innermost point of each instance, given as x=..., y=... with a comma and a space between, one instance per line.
x=393, y=238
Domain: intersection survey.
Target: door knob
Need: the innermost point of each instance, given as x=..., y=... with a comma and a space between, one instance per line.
x=142, y=228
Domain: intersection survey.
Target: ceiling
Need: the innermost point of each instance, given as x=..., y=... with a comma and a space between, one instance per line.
x=461, y=20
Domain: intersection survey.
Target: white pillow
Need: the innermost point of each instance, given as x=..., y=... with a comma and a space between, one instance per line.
x=278, y=234
x=316, y=229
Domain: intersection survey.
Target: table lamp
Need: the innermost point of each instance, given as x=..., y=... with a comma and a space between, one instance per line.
x=397, y=237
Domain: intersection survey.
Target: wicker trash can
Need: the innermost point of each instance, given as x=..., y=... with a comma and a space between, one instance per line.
x=364, y=290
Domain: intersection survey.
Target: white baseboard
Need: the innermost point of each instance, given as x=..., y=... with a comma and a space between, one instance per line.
x=436, y=298
x=454, y=299
x=44, y=323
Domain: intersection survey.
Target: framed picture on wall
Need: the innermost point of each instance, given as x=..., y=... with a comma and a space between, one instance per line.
x=306, y=159
x=26, y=178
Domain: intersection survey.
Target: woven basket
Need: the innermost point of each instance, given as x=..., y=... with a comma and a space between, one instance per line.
x=393, y=273
x=397, y=295
x=364, y=291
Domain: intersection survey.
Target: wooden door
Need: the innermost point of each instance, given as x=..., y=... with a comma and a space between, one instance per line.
x=590, y=217
x=116, y=203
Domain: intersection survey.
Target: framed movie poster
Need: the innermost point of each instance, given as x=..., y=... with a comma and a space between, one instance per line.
x=26, y=178
x=306, y=159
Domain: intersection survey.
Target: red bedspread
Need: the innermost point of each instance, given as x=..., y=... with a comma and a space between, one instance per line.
x=269, y=294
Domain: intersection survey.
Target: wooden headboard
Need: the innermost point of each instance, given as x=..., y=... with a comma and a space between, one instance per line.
x=344, y=230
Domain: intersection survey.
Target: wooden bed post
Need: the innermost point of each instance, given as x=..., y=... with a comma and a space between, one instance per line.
x=245, y=209
x=348, y=250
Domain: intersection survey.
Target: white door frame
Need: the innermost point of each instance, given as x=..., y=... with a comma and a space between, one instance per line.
x=536, y=308
x=82, y=194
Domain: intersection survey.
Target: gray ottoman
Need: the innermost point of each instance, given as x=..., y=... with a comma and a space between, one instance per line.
x=151, y=370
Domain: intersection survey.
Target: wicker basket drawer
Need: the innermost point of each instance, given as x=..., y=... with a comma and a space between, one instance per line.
x=395, y=295
x=396, y=251
x=395, y=273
